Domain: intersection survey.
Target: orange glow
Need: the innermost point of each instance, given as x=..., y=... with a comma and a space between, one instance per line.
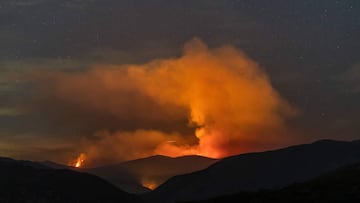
x=79, y=162
x=149, y=184
x=221, y=91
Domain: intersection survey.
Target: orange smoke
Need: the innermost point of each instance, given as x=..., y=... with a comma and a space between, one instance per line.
x=228, y=99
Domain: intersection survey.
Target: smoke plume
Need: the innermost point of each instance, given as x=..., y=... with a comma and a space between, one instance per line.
x=222, y=101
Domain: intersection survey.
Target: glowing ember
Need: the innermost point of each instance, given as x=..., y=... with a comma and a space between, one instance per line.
x=79, y=162
x=149, y=184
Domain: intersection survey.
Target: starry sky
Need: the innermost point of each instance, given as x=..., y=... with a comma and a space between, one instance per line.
x=309, y=50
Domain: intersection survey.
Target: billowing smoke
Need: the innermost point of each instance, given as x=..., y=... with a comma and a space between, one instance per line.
x=224, y=102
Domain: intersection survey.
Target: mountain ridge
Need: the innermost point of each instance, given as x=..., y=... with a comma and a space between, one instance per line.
x=340, y=185
x=260, y=170
x=134, y=175
x=25, y=181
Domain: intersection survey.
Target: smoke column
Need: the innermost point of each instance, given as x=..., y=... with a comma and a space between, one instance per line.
x=227, y=99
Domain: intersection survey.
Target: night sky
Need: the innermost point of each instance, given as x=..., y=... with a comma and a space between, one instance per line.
x=308, y=49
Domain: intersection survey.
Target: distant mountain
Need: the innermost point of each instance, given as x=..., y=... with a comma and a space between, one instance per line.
x=24, y=181
x=254, y=171
x=141, y=175
x=55, y=165
x=342, y=185
x=24, y=163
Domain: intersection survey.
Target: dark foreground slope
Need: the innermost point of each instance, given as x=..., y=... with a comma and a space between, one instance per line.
x=342, y=185
x=134, y=176
x=32, y=182
x=266, y=170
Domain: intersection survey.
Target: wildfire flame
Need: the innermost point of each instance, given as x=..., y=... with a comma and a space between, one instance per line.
x=79, y=162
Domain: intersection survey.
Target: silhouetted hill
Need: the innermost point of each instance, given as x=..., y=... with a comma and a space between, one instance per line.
x=24, y=163
x=55, y=165
x=134, y=176
x=254, y=171
x=24, y=181
x=342, y=185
